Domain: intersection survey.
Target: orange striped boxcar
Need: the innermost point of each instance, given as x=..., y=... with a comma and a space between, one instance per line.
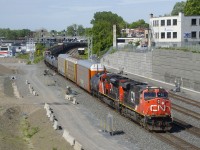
x=85, y=70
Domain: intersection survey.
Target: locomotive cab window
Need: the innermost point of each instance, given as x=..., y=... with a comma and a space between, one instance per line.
x=149, y=95
x=162, y=94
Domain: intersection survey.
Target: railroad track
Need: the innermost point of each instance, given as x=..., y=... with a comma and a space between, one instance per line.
x=73, y=51
x=187, y=127
x=186, y=111
x=175, y=141
x=184, y=99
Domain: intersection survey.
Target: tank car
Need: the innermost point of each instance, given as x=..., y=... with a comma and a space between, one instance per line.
x=147, y=105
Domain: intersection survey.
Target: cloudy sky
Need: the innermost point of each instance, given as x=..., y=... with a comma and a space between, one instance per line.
x=58, y=14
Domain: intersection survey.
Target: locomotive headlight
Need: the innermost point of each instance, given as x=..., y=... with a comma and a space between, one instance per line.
x=158, y=101
x=163, y=103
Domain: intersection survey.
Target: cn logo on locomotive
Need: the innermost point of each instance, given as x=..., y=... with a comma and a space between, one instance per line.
x=157, y=107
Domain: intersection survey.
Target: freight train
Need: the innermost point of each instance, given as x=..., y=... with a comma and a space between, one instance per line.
x=149, y=106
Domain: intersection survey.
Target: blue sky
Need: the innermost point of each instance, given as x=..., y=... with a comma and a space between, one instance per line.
x=58, y=14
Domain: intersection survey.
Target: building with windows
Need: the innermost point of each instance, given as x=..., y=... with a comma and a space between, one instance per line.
x=174, y=31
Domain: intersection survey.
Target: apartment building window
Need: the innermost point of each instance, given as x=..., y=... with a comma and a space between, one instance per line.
x=169, y=35
x=174, y=35
x=162, y=23
x=157, y=35
x=193, y=34
x=157, y=23
x=169, y=22
x=174, y=22
x=194, y=22
x=162, y=35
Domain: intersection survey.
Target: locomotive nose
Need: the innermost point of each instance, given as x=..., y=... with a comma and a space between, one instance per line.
x=160, y=101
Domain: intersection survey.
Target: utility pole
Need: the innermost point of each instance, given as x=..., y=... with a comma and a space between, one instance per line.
x=150, y=33
x=31, y=46
x=114, y=36
x=89, y=48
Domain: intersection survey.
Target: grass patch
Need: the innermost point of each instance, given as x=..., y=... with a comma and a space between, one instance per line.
x=23, y=56
x=113, y=50
x=27, y=130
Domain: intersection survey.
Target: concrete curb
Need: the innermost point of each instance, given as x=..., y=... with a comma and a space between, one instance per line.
x=69, y=97
x=55, y=125
x=71, y=140
x=77, y=146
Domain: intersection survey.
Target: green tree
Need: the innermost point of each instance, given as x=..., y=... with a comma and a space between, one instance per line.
x=88, y=32
x=192, y=7
x=80, y=30
x=71, y=30
x=140, y=23
x=103, y=30
x=178, y=7
x=14, y=34
x=74, y=30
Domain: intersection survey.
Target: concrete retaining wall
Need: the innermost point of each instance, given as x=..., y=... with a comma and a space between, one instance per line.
x=173, y=65
x=137, y=63
x=164, y=65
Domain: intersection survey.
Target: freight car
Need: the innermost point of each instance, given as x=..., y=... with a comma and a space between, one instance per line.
x=78, y=71
x=50, y=60
x=147, y=105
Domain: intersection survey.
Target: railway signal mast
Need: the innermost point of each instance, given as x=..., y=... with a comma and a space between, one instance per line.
x=31, y=46
x=90, y=48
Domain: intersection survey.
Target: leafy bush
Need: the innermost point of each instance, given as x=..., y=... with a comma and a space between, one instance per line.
x=38, y=59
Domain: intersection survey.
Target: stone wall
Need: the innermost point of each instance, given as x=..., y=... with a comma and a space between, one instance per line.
x=164, y=65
